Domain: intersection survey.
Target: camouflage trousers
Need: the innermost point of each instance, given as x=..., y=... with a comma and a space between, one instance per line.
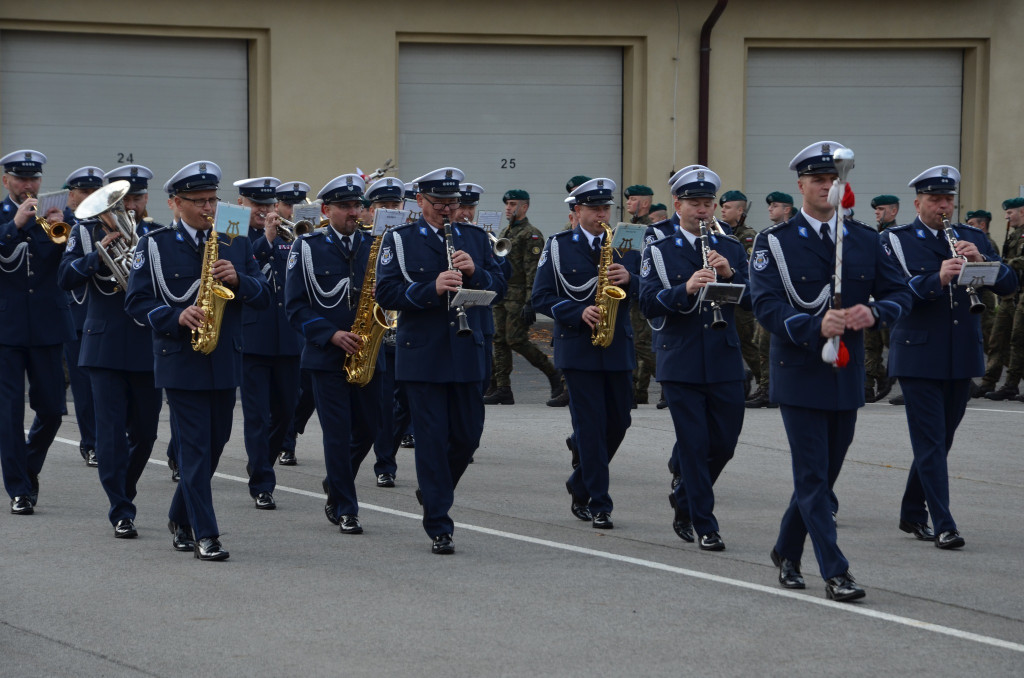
x=745, y=324
x=999, y=340
x=875, y=372
x=763, y=341
x=510, y=334
x=642, y=335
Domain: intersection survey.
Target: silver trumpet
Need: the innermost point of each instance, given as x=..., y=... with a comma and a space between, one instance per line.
x=290, y=230
x=718, y=322
x=107, y=205
x=500, y=246
x=977, y=306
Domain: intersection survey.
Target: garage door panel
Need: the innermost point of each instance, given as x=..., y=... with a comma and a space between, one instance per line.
x=160, y=102
x=512, y=117
x=899, y=110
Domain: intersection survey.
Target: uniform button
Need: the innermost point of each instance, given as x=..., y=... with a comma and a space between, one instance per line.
x=956, y=304
x=803, y=278
x=451, y=324
x=781, y=363
x=177, y=275
x=956, y=322
x=30, y=274
x=421, y=268
x=574, y=270
x=862, y=276
x=907, y=342
x=31, y=291
x=28, y=238
x=280, y=304
x=705, y=326
x=164, y=351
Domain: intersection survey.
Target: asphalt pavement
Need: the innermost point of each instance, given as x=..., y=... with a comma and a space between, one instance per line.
x=530, y=590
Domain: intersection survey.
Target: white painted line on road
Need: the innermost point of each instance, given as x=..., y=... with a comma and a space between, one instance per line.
x=654, y=565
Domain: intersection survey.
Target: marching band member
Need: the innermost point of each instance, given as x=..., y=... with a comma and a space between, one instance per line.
x=270, y=347
x=393, y=418
x=791, y=273
x=599, y=380
x=325, y=277
x=167, y=278
x=37, y=324
x=417, y=271
x=937, y=348
x=117, y=354
x=290, y=194
x=700, y=367
x=81, y=184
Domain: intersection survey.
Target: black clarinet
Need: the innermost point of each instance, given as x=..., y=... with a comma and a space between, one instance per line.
x=460, y=312
x=719, y=322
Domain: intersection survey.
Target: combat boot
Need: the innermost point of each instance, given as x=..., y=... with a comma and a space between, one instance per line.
x=555, y=380
x=1007, y=392
x=979, y=390
x=501, y=396
x=561, y=400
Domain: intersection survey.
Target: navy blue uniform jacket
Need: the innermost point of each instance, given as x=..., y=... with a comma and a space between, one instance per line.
x=267, y=331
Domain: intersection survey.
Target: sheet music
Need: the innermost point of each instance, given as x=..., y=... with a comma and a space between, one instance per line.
x=470, y=298
x=53, y=199
x=627, y=237
x=310, y=213
x=489, y=220
x=384, y=219
x=978, y=274
x=231, y=219
x=413, y=209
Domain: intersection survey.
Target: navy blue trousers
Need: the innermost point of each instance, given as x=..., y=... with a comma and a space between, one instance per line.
x=393, y=418
x=21, y=459
x=818, y=441
x=130, y=404
x=270, y=389
x=346, y=416
x=934, y=411
x=708, y=419
x=201, y=422
x=599, y=402
x=449, y=420
x=81, y=393
x=305, y=406
x=367, y=411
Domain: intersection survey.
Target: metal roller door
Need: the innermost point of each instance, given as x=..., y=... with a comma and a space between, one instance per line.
x=104, y=100
x=899, y=110
x=525, y=117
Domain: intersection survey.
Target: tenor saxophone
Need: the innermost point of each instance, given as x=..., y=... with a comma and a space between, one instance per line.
x=370, y=323
x=607, y=297
x=211, y=298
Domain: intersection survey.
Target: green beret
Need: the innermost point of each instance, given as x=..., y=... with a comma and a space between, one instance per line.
x=880, y=200
x=732, y=196
x=638, y=189
x=365, y=201
x=1011, y=203
x=515, y=194
x=658, y=207
x=979, y=214
x=779, y=196
x=577, y=180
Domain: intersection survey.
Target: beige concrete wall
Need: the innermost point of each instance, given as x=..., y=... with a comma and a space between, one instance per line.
x=324, y=86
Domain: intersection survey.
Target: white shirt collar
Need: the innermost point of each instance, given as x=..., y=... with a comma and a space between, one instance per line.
x=188, y=229
x=690, y=237
x=816, y=224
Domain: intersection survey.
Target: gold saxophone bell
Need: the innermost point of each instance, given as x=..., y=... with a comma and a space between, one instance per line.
x=607, y=297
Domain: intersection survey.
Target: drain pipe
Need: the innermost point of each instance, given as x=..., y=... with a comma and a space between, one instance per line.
x=705, y=80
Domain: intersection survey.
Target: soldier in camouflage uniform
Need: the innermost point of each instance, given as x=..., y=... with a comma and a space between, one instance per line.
x=981, y=220
x=780, y=209
x=1007, y=338
x=514, y=315
x=735, y=206
x=877, y=382
x=638, y=204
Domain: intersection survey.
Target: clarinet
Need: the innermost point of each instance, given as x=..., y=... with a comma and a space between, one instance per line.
x=460, y=312
x=976, y=304
x=719, y=322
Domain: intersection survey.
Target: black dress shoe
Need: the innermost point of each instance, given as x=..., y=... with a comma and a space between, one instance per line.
x=562, y=400
x=419, y=496
x=602, y=520
x=408, y=441
x=84, y=451
x=501, y=396
x=843, y=588
x=173, y=465
x=386, y=480
x=323, y=484
x=209, y=548
x=711, y=542
x=331, y=511
x=288, y=458
x=575, y=453
x=579, y=506
x=950, y=539
x=681, y=523
x=181, y=537
x=350, y=525
x=91, y=461
x=125, y=529
x=443, y=545
x=676, y=479
x=21, y=506
x=789, y=572
x=265, y=501
x=919, y=530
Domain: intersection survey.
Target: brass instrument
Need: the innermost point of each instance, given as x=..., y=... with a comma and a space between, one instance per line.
x=107, y=205
x=290, y=230
x=460, y=312
x=607, y=295
x=57, y=231
x=370, y=323
x=977, y=306
x=500, y=246
x=719, y=322
x=211, y=298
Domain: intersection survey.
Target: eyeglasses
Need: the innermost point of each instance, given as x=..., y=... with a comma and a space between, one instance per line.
x=442, y=205
x=202, y=202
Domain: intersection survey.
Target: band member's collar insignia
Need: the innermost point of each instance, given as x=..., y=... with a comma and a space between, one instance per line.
x=679, y=242
x=423, y=230
x=714, y=238
x=177, y=236
x=920, y=233
x=802, y=230
x=576, y=237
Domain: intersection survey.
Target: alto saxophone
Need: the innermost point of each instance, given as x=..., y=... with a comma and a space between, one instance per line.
x=607, y=297
x=370, y=323
x=211, y=298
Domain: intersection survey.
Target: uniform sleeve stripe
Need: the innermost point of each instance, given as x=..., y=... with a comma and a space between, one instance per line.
x=413, y=301
x=786, y=323
x=912, y=288
x=152, y=312
x=899, y=309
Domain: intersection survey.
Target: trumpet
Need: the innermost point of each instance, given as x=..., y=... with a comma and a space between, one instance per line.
x=290, y=230
x=500, y=246
x=976, y=304
x=57, y=231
